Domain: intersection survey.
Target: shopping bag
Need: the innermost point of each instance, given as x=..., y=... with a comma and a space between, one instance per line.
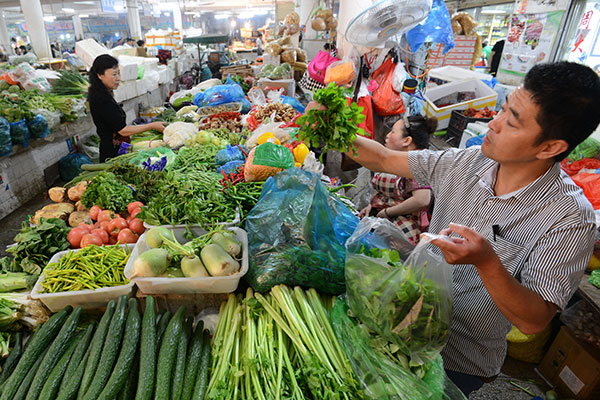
x=318, y=66
x=400, y=292
x=296, y=234
x=5, y=139
x=386, y=101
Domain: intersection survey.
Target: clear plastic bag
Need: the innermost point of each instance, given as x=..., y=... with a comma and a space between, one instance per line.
x=403, y=295
x=296, y=234
x=70, y=165
x=52, y=117
x=340, y=72
x=38, y=126
x=399, y=77
x=5, y=139
x=582, y=319
x=19, y=133
x=282, y=134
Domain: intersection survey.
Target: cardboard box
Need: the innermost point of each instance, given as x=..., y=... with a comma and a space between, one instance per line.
x=131, y=51
x=460, y=56
x=484, y=97
x=572, y=366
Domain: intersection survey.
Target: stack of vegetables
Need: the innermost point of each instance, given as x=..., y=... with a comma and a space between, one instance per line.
x=124, y=356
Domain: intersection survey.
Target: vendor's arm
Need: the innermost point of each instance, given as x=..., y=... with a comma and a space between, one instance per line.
x=545, y=288
x=378, y=158
x=419, y=199
x=130, y=130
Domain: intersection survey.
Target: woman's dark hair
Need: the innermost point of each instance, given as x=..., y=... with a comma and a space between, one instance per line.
x=419, y=130
x=101, y=64
x=568, y=95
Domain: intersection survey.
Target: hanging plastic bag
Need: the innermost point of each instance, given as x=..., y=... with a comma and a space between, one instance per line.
x=340, y=72
x=38, y=126
x=383, y=373
x=403, y=295
x=436, y=28
x=296, y=234
x=386, y=101
x=19, y=133
x=5, y=139
x=400, y=75
x=318, y=66
x=70, y=165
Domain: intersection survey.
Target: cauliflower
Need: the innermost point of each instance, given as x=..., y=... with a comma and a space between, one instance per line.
x=177, y=133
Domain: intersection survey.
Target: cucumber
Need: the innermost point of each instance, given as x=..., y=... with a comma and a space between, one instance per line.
x=128, y=391
x=36, y=346
x=180, y=360
x=77, y=356
x=26, y=383
x=167, y=354
x=148, y=347
x=55, y=352
x=162, y=326
x=96, y=349
x=52, y=384
x=193, y=362
x=110, y=350
x=69, y=392
x=202, y=377
x=124, y=363
x=13, y=358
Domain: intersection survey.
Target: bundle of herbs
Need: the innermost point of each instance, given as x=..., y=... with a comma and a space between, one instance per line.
x=334, y=125
x=70, y=83
x=106, y=191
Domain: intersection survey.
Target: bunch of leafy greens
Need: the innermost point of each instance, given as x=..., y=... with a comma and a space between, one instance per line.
x=36, y=245
x=595, y=278
x=335, y=127
x=147, y=184
x=396, y=301
x=106, y=191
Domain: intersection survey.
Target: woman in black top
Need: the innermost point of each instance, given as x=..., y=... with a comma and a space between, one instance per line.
x=107, y=114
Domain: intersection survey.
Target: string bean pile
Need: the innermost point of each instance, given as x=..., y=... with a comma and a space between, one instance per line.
x=92, y=267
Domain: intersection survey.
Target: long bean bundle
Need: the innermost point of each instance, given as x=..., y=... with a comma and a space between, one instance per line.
x=92, y=267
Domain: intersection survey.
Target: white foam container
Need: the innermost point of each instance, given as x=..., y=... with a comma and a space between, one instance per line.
x=212, y=284
x=85, y=298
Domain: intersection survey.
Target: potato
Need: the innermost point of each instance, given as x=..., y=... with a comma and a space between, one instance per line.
x=67, y=208
x=76, y=191
x=78, y=217
x=47, y=214
x=58, y=194
x=80, y=207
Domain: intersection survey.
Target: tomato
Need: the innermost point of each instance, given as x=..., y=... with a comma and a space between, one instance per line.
x=135, y=212
x=103, y=225
x=137, y=226
x=133, y=205
x=75, y=235
x=95, y=212
x=112, y=240
x=127, y=236
x=116, y=225
x=105, y=215
x=102, y=234
x=88, y=239
x=85, y=226
x=128, y=219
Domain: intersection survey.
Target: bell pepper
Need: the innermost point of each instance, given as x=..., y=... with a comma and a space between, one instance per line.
x=300, y=153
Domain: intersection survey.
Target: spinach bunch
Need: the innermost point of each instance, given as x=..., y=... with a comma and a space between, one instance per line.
x=336, y=126
x=36, y=245
x=106, y=191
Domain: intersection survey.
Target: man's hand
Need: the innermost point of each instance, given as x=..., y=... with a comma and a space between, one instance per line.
x=364, y=212
x=471, y=248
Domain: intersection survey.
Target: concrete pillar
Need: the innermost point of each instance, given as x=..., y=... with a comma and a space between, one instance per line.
x=133, y=19
x=177, y=21
x=306, y=8
x=4, y=39
x=36, y=28
x=77, y=27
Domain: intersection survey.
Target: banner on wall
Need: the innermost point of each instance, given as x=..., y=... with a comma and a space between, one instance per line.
x=540, y=6
x=530, y=41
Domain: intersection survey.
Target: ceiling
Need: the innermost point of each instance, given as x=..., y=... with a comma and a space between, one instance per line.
x=13, y=13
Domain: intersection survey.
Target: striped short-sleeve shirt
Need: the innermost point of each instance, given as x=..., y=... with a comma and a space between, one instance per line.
x=545, y=239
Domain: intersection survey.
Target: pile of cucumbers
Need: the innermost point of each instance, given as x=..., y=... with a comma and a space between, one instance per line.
x=126, y=356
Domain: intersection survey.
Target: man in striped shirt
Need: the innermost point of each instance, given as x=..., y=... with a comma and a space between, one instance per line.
x=520, y=231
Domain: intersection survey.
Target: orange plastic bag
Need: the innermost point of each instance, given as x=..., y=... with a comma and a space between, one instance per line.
x=590, y=183
x=386, y=101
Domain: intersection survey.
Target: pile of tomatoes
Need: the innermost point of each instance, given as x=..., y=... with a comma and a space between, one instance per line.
x=108, y=228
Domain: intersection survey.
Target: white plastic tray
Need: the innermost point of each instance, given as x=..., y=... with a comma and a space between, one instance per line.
x=213, y=284
x=236, y=221
x=84, y=298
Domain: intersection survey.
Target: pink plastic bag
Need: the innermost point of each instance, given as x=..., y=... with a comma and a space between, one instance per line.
x=318, y=66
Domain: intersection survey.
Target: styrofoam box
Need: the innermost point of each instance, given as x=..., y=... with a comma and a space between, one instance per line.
x=473, y=129
x=129, y=72
x=484, y=97
x=120, y=94
x=130, y=89
x=288, y=84
x=88, y=50
x=163, y=74
x=140, y=87
x=453, y=74
x=84, y=298
x=212, y=284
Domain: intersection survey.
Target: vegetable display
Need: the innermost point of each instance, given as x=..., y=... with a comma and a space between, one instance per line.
x=106, y=191
x=69, y=83
x=90, y=268
x=335, y=127
x=229, y=120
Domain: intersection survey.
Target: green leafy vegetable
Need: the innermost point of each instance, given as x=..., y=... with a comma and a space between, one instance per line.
x=595, y=278
x=70, y=83
x=106, y=191
x=335, y=128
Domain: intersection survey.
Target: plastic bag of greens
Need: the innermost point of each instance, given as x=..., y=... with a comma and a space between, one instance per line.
x=296, y=234
x=231, y=153
x=52, y=117
x=5, y=139
x=70, y=165
x=155, y=154
x=38, y=126
x=385, y=373
x=403, y=295
x=19, y=132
